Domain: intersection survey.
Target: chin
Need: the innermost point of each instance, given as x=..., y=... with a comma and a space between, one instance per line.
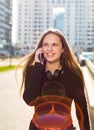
x=52, y=61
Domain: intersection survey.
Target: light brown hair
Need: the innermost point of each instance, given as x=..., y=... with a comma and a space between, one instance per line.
x=68, y=59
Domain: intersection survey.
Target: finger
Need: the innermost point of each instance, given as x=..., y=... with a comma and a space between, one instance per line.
x=40, y=50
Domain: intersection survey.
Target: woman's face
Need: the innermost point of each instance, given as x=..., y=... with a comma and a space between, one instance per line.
x=52, y=48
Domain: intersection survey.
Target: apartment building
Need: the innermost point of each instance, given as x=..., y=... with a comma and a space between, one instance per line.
x=5, y=21
x=90, y=25
x=33, y=17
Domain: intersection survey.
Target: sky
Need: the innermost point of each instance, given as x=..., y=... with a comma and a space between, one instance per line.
x=58, y=10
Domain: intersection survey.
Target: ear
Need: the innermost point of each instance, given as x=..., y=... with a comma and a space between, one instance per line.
x=62, y=50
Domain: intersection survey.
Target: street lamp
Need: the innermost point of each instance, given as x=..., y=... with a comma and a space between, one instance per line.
x=10, y=46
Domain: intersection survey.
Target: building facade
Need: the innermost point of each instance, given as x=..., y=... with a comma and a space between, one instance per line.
x=33, y=17
x=90, y=25
x=5, y=22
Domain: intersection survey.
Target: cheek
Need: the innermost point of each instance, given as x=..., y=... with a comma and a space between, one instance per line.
x=59, y=52
x=44, y=49
x=44, y=53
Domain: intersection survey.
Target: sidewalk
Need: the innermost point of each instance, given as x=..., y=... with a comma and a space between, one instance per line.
x=89, y=83
x=14, y=113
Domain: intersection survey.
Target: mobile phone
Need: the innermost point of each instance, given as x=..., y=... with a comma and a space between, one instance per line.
x=41, y=57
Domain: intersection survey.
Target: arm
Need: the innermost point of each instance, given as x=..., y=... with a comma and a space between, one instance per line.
x=33, y=82
x=79, y=98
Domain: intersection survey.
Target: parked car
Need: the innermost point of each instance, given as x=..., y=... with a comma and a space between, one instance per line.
x=85, y=56
x=2, y=56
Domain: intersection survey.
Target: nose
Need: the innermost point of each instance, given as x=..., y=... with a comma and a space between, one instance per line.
x=49, y=48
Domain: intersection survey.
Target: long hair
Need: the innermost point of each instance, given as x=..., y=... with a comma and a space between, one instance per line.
x=68, y=59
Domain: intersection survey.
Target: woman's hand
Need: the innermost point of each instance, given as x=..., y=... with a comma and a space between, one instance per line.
x=37, y=55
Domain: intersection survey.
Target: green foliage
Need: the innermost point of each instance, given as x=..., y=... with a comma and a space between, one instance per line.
x=6, y=68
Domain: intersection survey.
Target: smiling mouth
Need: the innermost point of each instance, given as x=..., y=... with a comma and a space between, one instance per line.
x=50, y=54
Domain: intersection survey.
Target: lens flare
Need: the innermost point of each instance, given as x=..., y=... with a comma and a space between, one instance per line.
x=53, y=108
x=52, y=112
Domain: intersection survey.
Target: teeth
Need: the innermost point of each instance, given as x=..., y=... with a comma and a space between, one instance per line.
x=50, y=54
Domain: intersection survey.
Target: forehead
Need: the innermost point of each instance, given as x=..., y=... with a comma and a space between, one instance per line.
x=51, y=37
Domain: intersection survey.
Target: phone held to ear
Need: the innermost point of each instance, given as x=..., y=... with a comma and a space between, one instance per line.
x=41, y=57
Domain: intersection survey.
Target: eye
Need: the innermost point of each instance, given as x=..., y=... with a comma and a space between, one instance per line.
x=55, y=44
x=45, y=44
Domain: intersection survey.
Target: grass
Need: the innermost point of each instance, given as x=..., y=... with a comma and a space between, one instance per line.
x=7, y=68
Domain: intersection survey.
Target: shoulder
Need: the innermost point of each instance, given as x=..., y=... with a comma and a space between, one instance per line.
x=37, y=65
x=35, y=70
x=29, y=69
x=73, y=76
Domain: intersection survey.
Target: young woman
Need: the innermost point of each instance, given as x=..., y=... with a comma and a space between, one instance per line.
x=53, y=59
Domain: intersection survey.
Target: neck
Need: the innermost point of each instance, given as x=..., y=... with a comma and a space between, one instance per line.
x=53, y=66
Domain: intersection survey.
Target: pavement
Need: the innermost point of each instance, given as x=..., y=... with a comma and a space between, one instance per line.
x=10, y=61
x=15, y=114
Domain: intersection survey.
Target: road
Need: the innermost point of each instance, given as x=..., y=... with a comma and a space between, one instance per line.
x=14, y=113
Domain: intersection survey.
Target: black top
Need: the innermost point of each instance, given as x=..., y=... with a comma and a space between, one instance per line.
x=36, y=78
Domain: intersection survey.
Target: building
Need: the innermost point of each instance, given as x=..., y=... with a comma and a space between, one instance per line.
x=33, y=17
x=90, y=25
x=5, y=24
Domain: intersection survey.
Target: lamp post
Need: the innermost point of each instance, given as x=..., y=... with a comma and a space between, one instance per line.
x=10, y=45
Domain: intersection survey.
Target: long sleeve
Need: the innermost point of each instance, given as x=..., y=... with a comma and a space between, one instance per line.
x=79, y=98
x=33, y=82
